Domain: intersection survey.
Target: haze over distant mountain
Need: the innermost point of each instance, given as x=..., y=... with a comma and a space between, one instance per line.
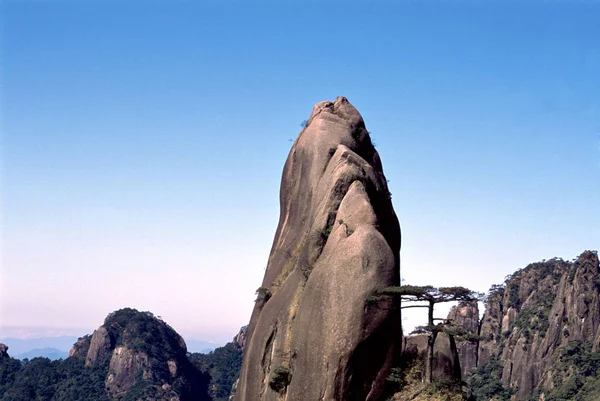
x=58, y=347
x=19, y=346
x=50, y=353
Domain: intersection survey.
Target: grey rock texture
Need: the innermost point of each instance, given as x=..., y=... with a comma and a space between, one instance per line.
x=445, y=366
x=81, y=347
x=467, y=317
x=337, y=242
x=415, y=348
x=491, y=328
x=543, y=307
x=125, y=369
x=241, y=337
x=101, y=347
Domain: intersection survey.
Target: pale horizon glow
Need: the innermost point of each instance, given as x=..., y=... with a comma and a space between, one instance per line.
x=143, y=146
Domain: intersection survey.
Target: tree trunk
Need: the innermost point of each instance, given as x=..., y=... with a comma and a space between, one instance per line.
x=430, y=344
x=429, y=366
x=456, y=371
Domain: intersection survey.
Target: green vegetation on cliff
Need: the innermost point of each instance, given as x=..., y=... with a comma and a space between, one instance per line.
x=577, y=375
x=223, y=366
x=539, y=332
x=485, y=382
x=407, y=383
x=143, y=332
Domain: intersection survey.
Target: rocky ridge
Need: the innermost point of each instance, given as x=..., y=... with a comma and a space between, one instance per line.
x=446, y=366
x=540, y=311
x=539, y=338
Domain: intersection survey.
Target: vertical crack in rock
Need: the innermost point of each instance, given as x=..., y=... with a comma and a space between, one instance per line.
x=337, y=242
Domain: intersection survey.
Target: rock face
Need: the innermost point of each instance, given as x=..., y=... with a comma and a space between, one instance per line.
x=241, y=337
x=539, y=337
x=101, y=347
x=541, y=310
x=415, y=348
x=144, y=357
x=312, y=335
x=81, y=347
x=445, y=365
x=467, y=317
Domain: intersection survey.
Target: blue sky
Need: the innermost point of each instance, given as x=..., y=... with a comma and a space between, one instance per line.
x=143, y=144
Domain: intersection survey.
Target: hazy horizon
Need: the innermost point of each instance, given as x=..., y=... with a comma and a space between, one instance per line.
x=143, y=145
x=41, y=332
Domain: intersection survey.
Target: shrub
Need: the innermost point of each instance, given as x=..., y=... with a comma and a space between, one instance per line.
x=280, y=378
x=513, y=296
x=486, y=382
x=263, y=294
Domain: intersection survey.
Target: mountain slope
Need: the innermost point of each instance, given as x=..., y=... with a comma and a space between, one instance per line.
x=542, y=326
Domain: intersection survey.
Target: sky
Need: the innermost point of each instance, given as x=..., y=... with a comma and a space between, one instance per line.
x=143, y=144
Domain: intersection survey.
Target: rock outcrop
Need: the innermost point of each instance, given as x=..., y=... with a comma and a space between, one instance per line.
x=466, y=316
x=144, y=357
x=101, y=347
x=542, y=310
x=415, y=349
x=241, y=337
x=312, y=335
x=446, y=365
x=81, y=347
